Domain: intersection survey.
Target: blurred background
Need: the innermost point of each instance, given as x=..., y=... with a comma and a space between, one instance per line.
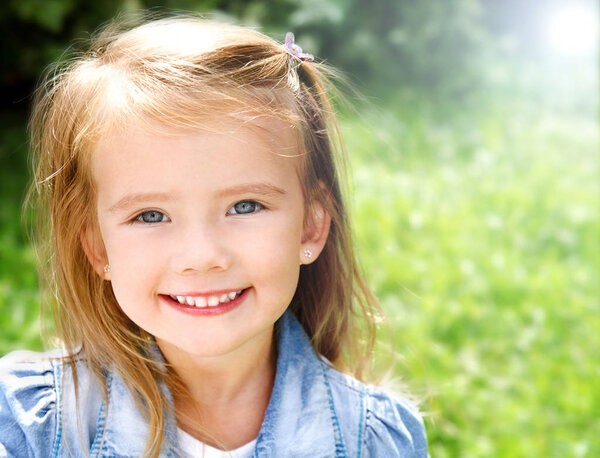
x=475, y=176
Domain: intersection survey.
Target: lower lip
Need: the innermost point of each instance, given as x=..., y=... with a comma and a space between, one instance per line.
x=206, y=311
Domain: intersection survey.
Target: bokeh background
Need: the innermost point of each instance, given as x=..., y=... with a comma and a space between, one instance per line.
x=475, y=176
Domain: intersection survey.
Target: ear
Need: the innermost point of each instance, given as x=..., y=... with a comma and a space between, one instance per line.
x=314, y=235
x=92, y=245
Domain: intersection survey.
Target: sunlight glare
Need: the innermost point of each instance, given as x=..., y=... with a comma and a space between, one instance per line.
x=573, y=30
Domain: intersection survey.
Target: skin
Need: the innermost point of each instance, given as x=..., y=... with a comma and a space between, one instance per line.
x=170, y=222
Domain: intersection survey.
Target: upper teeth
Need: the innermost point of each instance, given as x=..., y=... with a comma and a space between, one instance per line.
x=210, y=301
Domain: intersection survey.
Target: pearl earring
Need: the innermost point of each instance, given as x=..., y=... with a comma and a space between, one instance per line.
x=106, y=269
x=307, y=254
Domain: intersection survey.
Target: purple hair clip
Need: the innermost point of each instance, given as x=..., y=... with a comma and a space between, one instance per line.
x=294, y=50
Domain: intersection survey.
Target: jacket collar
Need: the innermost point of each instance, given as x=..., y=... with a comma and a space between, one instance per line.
x=300, y=419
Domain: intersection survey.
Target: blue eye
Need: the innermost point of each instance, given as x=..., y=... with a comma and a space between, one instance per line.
x=244, y=207
x=151, y=216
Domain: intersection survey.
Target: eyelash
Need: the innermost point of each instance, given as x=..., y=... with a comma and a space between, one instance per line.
x=258, y=207
x=139, y=217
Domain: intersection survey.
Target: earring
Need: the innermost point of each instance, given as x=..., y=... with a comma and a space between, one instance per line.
x=106, y=269
x=307, y=254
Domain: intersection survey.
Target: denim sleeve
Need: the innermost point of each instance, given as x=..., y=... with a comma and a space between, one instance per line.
x=393, y=427
x=28, y=407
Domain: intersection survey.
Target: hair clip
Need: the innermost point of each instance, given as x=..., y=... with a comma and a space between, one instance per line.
x=295, y=51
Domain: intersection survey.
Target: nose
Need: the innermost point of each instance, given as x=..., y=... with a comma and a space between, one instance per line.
x=201, y=248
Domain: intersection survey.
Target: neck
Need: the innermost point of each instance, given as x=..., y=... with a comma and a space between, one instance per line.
x=225, y=396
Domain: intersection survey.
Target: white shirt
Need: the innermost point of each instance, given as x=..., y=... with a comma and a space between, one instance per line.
x=191, y=447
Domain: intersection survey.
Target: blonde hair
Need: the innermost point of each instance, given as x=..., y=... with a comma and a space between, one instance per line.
x=180, y=71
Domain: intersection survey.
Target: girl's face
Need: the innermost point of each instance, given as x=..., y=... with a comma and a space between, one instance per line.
x=202, y=218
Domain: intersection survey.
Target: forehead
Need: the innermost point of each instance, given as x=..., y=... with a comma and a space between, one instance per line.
x=226, y=150
x=261, y=132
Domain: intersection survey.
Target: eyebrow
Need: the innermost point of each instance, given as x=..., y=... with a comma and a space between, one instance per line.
x=140, y=197
x=264, y=189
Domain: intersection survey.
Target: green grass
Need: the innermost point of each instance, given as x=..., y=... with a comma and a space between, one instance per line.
x=19, y=298
x=480, y=235
x=481, y=238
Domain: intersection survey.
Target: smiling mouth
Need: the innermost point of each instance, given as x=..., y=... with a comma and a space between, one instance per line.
x=207, y=301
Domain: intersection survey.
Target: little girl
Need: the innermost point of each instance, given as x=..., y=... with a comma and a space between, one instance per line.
x=199, y=259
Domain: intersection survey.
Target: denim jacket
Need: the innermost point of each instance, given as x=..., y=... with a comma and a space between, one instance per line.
x=314, y=411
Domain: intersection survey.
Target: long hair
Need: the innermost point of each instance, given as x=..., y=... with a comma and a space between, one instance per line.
x=181, y=71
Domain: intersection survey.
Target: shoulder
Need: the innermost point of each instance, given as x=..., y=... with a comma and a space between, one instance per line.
x=28, y=403
x=375, y=421
x=393, y=422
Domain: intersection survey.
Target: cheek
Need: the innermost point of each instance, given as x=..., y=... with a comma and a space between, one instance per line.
x=134, y=290
x=131, y=246
x=278, y=237
x=133, y=265
x=274, y=255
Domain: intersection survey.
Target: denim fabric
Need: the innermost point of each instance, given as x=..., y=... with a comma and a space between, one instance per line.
x=314, y=411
